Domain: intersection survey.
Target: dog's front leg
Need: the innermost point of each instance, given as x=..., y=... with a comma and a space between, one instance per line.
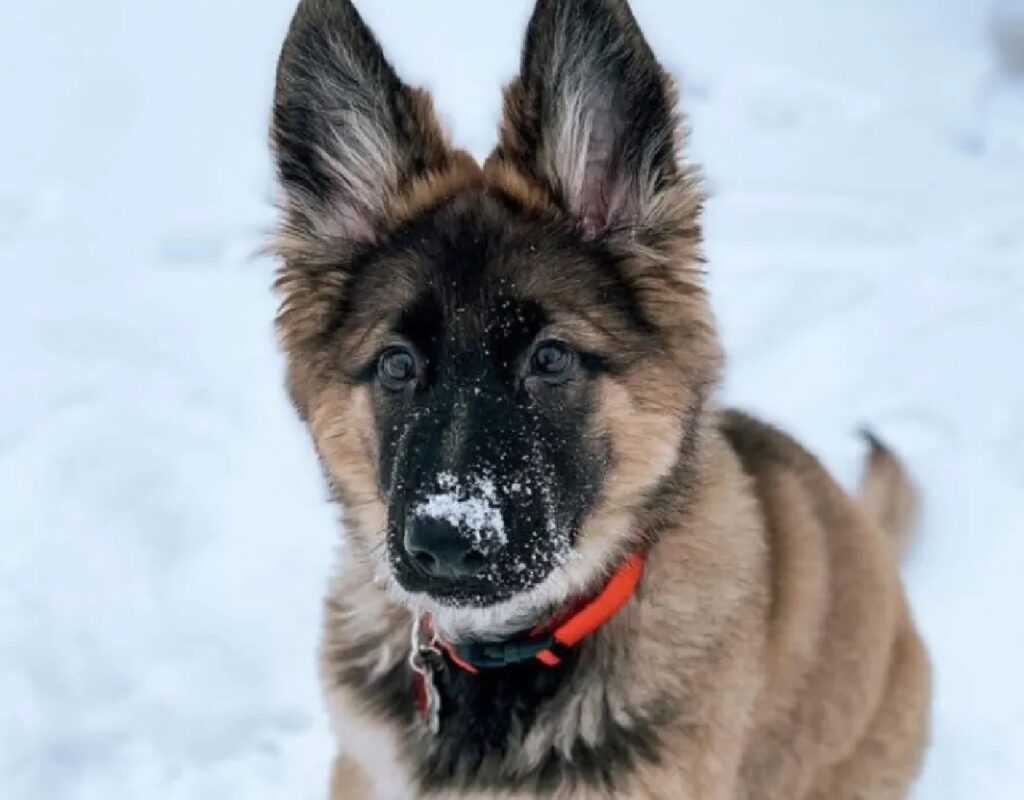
x=367, y=766
x=350, y=781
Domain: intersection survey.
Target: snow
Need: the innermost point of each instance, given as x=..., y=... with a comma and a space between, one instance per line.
x=165, y=538
x=470, y=505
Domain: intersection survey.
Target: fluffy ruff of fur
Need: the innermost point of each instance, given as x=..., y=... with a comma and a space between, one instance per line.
x=768, y=653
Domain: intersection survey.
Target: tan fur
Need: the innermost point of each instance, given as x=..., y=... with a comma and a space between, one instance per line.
x=888, y=495
x=348, y=779
x=340, y=422
x=431, y=189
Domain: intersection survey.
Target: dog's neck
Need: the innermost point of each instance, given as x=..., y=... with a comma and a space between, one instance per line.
x=547, y=643
x=488, y=720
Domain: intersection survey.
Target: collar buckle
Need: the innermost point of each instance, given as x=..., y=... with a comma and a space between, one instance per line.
x=495, y=655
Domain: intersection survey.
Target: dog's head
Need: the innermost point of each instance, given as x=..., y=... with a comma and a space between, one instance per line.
x=499, y=365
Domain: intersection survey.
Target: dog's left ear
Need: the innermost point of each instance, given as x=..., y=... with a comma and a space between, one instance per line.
x=592, y=115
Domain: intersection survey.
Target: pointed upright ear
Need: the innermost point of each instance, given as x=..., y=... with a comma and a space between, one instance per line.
x=346, y=132
x=592, y=115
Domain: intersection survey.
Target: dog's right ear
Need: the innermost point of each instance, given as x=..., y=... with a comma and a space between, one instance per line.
x=346, y=132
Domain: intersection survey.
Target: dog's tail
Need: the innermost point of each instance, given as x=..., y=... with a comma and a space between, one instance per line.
x=888, y=495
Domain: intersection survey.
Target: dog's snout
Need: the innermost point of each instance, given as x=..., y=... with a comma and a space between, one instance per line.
x=441, y=550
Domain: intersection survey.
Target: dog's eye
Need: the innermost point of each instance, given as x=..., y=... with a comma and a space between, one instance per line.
x=553, y=361
x=396, y=368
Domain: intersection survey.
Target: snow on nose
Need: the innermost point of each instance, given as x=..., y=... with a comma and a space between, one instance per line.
x=470, y=505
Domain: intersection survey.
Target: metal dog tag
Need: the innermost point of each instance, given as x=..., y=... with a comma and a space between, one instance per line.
x=424, y=658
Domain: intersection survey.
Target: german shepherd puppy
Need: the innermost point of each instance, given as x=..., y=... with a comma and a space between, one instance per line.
x=569, y=572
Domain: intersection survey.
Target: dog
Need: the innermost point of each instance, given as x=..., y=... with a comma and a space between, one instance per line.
x=568, y=571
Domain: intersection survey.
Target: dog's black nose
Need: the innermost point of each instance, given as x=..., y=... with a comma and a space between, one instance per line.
x=441, y=550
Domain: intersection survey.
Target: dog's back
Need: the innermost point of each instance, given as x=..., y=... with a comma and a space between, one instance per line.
x=845, y=704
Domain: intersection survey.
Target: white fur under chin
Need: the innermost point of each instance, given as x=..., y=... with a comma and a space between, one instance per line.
x=574, y=578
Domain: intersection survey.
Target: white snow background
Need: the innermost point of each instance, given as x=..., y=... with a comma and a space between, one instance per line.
x=164, y=533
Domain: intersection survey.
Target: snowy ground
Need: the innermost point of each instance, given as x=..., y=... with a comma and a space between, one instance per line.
x=164, y=538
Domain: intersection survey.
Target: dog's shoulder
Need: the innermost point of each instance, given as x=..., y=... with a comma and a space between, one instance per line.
x=760, y=445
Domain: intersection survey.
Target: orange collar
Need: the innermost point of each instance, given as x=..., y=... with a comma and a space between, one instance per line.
x=549, y=644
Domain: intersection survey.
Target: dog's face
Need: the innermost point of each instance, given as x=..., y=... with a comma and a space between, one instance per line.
x=489, y=450
x=499, y=365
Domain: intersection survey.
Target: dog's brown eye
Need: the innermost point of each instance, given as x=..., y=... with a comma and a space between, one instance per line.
x=553, y=361
x=396, y=368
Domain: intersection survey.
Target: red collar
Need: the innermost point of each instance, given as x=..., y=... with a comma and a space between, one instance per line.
x=548, y=644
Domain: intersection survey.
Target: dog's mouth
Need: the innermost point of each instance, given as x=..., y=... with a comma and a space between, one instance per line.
x=486, y=607
x=490, y=607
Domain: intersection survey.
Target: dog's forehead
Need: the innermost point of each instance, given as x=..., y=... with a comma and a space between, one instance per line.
x=493, y=322
x=476, y=276
x=475, y=265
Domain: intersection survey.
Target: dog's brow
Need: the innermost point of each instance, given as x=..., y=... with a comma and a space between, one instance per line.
x=366, y=344
x=579, y=325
